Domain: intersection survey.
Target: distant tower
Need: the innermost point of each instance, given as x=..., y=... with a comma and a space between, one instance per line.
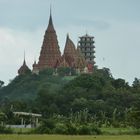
x=24, y=68
x=86, y=45
x=50, y=52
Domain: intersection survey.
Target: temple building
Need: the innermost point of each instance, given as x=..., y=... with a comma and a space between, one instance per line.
x=24, y=68
x=81, y=59
x=50, y=51
x=50, y=55
x=70, y=53
x=86, y=45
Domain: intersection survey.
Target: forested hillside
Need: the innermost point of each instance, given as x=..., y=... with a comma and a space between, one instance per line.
x=96, y=98
x=26, y=87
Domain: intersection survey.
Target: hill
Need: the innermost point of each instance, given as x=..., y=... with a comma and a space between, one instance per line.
x=96, y=98
x=26, y=87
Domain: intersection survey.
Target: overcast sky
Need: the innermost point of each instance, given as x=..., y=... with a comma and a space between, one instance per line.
x=115, y=24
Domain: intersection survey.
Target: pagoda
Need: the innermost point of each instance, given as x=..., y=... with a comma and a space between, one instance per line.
x=86, y=45
x=50, y=52
x=70, y=53
x=76, y=59
x=24, y=69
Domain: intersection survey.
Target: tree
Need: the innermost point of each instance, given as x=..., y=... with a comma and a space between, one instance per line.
x=1, y=84
x=47, y=71
x=134, y=118
x=136, y=85
x=87, y=81
x=63, y=71
x=120, y=83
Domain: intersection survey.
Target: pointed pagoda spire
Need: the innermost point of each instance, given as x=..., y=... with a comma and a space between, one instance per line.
x=50, y=25
x=50, y=51
x=69, y=46
x=70, y=51
x=24, y=68
x=24, y=62
x=67, y=36
x=50, y=20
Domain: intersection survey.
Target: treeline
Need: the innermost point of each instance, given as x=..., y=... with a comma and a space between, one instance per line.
x=79, y=105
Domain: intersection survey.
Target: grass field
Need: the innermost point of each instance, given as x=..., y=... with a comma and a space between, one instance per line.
x=60, y=137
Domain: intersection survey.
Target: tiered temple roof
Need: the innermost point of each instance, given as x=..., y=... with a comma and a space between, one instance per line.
x=86, y=45
x=70, y=53
x=50, y=52
x=50, y=55
x=23, y=69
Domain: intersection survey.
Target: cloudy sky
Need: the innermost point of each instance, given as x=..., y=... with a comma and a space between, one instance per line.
x=115, y=24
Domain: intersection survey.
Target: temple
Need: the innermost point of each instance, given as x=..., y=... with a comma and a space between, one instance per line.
x=24, y=68
x=50, y=52
x=86, y=45
x=81, y=59
x=70, y=53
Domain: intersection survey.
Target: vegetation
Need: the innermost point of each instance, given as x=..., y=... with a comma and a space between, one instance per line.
x=4, y=130
x=73, y=104
x=1, y=84
x=57, y=137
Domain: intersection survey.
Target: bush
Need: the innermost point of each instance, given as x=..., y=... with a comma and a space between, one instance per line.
x=84, y=130
x=134, y=118
x=46, y=127
x=88, y=130
x=95, y=130
x=42, y=130
x=4, y=130
x=60, y=129
x=71, y=129
x=49, y=123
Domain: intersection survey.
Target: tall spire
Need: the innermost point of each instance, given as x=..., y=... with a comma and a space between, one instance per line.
x=69, y=46
x=24, y=68
x=50, y=52
x=50, y=9
x=24, y=62
x=69, y=51
x=67, y=35
x=50, y=25
x=50, y=21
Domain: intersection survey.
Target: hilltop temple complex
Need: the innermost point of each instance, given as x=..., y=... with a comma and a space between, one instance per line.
x=81, y=58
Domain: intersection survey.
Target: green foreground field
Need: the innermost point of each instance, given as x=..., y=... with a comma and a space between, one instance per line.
x=60, y=137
